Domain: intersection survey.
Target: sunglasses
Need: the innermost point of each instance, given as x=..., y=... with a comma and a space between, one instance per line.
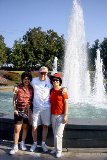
x=55, y=80
x=43, y=73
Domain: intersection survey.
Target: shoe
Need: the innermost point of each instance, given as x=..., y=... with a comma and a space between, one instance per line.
x=58, y=154
x=22, y=146
x=14, y=150
x=53, y=151
x=33, y=147
x=44, y=147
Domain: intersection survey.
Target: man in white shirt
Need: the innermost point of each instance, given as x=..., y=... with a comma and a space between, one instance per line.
x=41, y=107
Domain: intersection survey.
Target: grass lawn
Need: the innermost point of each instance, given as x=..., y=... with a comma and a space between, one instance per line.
x=19, y=72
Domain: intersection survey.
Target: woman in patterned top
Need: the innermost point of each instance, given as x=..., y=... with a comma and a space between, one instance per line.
x=22, y=102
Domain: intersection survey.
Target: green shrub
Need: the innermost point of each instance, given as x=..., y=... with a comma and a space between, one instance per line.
x=12, y=76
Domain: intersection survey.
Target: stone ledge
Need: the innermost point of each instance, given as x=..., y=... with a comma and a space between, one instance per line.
x=81, y=133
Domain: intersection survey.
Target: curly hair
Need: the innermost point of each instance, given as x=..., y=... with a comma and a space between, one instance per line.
x=26, y=74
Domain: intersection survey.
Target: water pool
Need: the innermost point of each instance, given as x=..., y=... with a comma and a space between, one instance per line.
x=6, y=102
x=75, y=110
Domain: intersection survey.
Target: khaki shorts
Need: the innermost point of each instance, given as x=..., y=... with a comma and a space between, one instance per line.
x=41, y=117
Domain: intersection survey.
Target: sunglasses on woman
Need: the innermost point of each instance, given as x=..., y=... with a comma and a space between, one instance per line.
x=55, y=80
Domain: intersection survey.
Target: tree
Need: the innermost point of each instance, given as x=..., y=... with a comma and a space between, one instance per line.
x=35, y=41
x=54, y=48
x=17, y=57
x=3, y=49
x=8, y=54
x=103, y=47
x=38, y=48
x=92, y=54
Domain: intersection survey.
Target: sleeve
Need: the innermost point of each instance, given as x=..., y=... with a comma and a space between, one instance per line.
x=65, y=95
x=32, y=82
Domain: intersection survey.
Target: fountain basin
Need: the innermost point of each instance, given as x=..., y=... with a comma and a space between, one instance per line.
x=87, y=125
x=78, y=133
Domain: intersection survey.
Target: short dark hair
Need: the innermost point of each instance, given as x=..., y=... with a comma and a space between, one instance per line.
x=26, y=74
x=56, y=75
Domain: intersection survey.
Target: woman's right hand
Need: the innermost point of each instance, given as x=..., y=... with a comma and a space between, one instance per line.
x=16, y=112
x=65, y=119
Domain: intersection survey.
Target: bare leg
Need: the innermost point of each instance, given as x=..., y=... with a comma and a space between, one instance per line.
x=34, y=134
x=25, y=130
x=17, y=130
x=45, y=132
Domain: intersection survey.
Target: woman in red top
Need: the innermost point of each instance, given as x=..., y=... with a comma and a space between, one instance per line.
x=22, y=102
x=59, y=111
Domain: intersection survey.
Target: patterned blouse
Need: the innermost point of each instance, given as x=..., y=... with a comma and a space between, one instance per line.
x=24, y=96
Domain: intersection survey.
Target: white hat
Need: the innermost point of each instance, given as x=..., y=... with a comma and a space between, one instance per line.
x=43, y=69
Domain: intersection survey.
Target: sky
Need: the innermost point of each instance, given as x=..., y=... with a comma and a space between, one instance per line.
x=17, y=16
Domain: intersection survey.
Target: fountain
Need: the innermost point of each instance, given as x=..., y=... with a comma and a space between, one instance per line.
x=99, y=89
x=75, y=66
x=83, y=99
x=54, y=67
x=87, y=106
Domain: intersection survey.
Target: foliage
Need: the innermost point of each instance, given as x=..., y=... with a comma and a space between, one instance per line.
x=103, y=47
x=3, y=50
x=18, y=72
x=16, y=56
x=37, y=48
x=12, y=76
x=92, y=54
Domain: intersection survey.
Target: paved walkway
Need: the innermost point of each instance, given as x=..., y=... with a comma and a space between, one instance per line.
x=68, y=154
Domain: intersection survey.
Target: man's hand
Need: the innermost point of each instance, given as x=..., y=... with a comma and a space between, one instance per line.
x=64, y=90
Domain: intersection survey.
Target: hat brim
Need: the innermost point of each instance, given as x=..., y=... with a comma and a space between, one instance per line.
x=52, y=77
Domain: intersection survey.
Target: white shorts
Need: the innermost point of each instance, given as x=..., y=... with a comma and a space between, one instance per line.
x=41, y=117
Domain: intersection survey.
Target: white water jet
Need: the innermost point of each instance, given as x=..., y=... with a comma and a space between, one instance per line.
x=54, y=67
x=75, y=65
x=88, y=84
x=76, y=75
x=99, y=90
